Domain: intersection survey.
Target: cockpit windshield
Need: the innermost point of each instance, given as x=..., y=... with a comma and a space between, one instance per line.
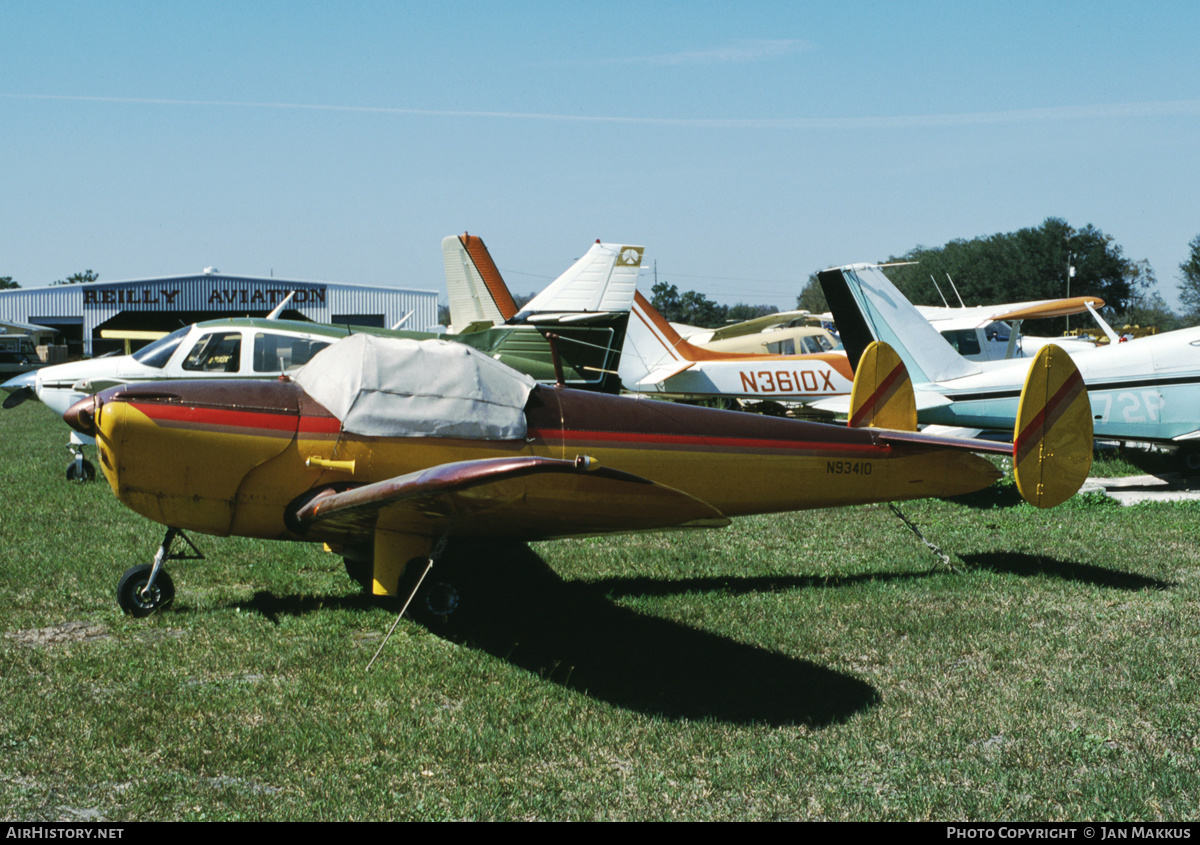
x=158, y=353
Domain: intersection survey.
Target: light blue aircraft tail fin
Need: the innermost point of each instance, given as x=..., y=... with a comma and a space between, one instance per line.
x=868, y=307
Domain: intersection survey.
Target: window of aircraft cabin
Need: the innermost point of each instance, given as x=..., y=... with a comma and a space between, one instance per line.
x=812, y=345
x=965, y=341
x=157, y=354
x=782, y=347
x=217, y=352
x=997, y=332
x=274, y=353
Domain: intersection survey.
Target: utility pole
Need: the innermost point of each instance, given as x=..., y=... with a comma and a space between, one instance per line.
x=1070, y=273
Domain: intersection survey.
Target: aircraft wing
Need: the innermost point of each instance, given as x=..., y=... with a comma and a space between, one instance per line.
x=925, y=400
x=1050, y=308
x=523, y=498
x=758, y=324
x=981, y=315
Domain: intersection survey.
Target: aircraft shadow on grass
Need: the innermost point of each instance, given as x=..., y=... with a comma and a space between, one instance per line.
x=1013, y=563
x=571, y=633
x=1027, y=565
x=515, y=607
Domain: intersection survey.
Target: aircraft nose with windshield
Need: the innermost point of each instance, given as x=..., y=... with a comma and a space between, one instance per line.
x=241, y=348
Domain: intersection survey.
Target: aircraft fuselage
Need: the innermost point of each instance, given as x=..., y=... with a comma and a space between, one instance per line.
x=232, y=457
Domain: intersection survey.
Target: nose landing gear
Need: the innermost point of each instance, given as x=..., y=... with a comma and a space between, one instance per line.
x=145, y=588
x=80, y=468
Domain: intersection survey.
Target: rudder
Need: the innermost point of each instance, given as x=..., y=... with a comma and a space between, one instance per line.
x=1052, y=439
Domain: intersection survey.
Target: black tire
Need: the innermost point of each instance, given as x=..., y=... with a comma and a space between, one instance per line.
x=1189, y=460
x=132, y=584
x=437, y=598
x=86, y=473
x=360, y=570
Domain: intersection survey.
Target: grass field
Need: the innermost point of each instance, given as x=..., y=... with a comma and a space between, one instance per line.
x=809, y=666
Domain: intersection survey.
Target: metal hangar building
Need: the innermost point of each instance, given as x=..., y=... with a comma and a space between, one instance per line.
x=82, y=311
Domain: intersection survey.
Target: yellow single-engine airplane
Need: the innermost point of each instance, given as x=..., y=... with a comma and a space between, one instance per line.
x=385, y=449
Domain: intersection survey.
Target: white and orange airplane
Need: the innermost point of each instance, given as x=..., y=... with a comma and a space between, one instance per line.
x=657, y=360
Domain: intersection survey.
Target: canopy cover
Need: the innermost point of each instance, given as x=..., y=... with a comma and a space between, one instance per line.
x=385, y=387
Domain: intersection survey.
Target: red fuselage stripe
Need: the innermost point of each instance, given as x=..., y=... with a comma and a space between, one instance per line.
x=286, y=422
x=267, y=421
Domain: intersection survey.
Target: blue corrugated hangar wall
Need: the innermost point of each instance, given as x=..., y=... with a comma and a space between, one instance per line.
x=82, y=311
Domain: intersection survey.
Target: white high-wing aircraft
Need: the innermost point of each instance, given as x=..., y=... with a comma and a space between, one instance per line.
x=586, y=308
x=1141, y=390
x=993, y=332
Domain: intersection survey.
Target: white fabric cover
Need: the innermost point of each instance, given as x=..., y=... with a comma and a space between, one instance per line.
x=385, y=387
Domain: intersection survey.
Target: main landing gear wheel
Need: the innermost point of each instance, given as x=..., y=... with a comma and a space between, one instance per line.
x=1189, y=459
x=133, y=596
x=439, y=599
x=81, y=471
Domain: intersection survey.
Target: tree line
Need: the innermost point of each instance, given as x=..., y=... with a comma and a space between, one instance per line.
x=8, y=283
x=1035, y=263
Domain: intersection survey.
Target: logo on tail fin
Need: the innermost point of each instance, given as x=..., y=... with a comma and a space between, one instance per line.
x=630, y=256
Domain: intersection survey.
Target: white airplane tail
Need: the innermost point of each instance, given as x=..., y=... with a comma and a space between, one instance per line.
x=478, y=294
x=602, y=282
x=867, y=307
x=654, y=351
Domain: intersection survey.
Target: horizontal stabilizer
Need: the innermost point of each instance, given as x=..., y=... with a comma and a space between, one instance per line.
x=661, y=374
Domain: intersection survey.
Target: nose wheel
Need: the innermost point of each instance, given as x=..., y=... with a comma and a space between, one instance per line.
x=138, y=597
x=145, y=588
x=80, y=468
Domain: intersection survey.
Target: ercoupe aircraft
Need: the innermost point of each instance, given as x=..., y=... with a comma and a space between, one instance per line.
x=1141, y=390
x=657, y=360
x=386, y=449
x=585, y=308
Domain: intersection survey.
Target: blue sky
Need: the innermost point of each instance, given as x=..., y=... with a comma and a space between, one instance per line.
x=745, y=145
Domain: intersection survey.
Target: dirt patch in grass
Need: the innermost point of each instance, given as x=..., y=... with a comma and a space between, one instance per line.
x=66, y=632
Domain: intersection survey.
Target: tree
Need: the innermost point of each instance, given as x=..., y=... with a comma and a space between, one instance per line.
x=7, y=283
x=741, y=312
x=694, y=309
x=1189, y=283
x=812, y=297
x=1027, y=264
x=78, y=278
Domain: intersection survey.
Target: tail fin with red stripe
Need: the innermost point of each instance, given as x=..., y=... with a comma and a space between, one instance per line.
x=1052, y=440
x=882, y=396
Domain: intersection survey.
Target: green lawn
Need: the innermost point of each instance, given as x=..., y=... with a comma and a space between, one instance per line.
x=809, y=666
